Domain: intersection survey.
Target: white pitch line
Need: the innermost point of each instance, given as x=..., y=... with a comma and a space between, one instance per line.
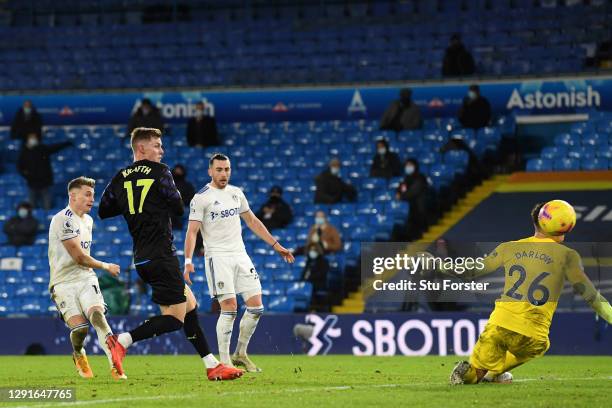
x=105, y=401
x=284, y=391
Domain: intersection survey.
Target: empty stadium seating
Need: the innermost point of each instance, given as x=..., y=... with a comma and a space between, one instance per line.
x=69, y=45
x=587, y=146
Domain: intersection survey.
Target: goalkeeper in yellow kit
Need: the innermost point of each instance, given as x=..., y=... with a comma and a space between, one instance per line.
x=535, y=271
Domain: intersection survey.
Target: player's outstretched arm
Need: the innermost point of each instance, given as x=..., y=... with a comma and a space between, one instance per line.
x=190, y=240
x=73, y=246
x=584, y=287
x=262, y=232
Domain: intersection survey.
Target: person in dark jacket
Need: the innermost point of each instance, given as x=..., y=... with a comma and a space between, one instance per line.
x=414, y=189
x=331, y=188
x=34, y=164
x=386, y=163
x=27, y=120
x=202, y=129
x=275, y=213
x=475, y=169
x=187, y=190
x=475, y=112
x=147, y=116
x=21, y=229
x=315, y=271
x=457, y=59
x=402, y=114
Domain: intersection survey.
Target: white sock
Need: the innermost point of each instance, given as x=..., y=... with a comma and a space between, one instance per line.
x=210, y=361
x=103, y=330
x=77, y=338
x=225, y=326
x=248, y=324
x=125, y=339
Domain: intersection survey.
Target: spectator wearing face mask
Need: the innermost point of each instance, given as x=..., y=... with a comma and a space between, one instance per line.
x=147, y=116
x=202, y=129
x=475, y=112
x=331, y=189
x=27, y=121
x=275, y=213
x=315, y=271
x=21, y=229
x=414, y=189
x=187, y=190
x=34, y=164
x=386, y=164
x=323, y=235
x=402, y=114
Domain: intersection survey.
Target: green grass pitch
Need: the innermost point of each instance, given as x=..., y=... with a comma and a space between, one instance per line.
x=301, y=381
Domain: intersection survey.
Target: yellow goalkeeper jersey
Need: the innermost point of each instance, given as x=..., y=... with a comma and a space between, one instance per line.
x=535, y=270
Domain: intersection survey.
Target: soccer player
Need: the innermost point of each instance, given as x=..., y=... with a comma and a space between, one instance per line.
x=145, y=194
x=517, y=331
x=216, y=211
x=73, y=284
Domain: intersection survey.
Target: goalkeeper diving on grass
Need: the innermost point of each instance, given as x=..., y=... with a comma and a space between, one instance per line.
x=535, y=270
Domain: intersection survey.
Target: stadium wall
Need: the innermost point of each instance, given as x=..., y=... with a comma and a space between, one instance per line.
x=590, y=192
x=358, y=334
x=553, y=95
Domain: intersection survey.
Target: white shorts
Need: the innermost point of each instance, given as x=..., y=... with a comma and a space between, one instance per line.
x=76, y=298
x=232, y=275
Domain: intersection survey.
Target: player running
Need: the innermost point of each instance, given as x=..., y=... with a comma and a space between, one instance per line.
x=73, y=284
x=517, y=331
x=216, y=211
x=145, y=194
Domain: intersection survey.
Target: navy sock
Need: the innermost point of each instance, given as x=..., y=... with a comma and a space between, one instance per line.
x=194, y=333
x=155, y=326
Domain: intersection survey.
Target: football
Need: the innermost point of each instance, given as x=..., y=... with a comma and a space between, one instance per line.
x=557, y=217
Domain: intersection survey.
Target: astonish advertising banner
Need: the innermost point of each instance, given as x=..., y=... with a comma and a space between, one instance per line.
x=545, y=96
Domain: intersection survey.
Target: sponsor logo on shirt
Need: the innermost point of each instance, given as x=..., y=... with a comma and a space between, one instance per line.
x=224, y=213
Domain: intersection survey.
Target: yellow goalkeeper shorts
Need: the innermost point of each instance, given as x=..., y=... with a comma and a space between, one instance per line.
x=499, y=349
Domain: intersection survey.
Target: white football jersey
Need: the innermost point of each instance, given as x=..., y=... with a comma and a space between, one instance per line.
x=66, y=225
x=219, y=212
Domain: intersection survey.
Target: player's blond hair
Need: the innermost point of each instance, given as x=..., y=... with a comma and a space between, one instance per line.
x=143, y=133
x=80, y=182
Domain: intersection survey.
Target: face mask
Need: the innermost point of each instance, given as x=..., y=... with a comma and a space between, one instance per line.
x=472, y=95
x=199, y=113
x=319, y=220
x=335, y=170
x=382, y=151
x=27, y=111
x=23, y=212
x=313, y=254
x=32, y=143
x=409, y=170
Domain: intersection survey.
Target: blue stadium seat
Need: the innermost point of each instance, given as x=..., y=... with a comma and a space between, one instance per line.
x=280, y=304
x=581, y=152
x=554, y=152
x=594, y=164
x=567, y=139
x=539, y=165
x=457, y=158
x=566, y=164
